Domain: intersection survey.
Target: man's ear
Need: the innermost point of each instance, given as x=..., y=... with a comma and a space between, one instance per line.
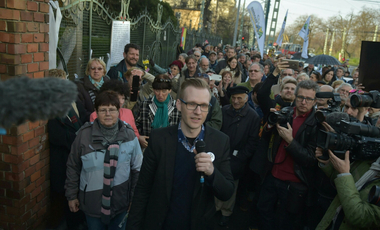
x=178, y=104
x=124, y=55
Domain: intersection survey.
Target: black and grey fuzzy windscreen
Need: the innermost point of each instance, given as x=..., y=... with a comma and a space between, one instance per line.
x=23, y=99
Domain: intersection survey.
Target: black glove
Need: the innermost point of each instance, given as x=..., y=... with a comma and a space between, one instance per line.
x=151, y=62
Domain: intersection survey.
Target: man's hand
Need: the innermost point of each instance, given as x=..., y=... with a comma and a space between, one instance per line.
x=280, y=66
x=74, y=205
x=319, y=153
x=341, y=166
x=143, y=140
x=285, y=133
x=203, y=163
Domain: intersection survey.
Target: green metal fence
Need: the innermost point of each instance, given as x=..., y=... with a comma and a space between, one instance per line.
x=86, y=25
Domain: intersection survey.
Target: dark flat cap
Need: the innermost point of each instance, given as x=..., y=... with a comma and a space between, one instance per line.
x=321, y=82
x=238, y=90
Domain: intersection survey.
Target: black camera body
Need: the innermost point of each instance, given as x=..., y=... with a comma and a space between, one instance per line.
x=371, y=99
x=361, y=139
x=334, y=105
x=281, y=117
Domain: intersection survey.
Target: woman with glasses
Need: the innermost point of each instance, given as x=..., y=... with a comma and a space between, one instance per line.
x=122, y=90
x=89, y=85
x=233, y=67
x=103, y=167
x=158, y=111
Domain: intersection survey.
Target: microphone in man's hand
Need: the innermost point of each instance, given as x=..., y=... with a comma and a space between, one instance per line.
x=200, y=146
x=22, y=99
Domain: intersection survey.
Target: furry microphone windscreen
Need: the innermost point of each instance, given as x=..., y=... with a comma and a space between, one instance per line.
x=23, y=99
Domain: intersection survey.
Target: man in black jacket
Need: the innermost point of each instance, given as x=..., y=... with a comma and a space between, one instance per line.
x=291, y=162
x=241, y=123
x=169, y=193
x=131, y=57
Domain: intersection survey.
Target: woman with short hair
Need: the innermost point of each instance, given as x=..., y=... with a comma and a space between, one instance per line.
x=157, y=111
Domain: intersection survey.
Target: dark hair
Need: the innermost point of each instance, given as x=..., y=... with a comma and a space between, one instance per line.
x=237, y=69
x=117, y=86
x=198, y=45
x=256, y=88
x=317, y=74
x=325, y=73
x=162, y=81
x=256, y=56
x=130, y=45
x=107, y=98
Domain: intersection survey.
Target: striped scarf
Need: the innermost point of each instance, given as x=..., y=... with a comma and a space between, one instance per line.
x=110, y=163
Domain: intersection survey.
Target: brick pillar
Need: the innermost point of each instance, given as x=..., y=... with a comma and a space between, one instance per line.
x=24, y=153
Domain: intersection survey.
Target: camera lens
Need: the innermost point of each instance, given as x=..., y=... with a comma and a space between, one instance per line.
x=358, y=100
x=272, y=118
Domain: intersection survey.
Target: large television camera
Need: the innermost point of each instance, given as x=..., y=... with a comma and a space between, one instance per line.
x=361, y=139
x=333, y=105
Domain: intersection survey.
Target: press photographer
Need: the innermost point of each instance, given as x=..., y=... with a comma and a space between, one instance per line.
x=290, y=144
x=356, y=176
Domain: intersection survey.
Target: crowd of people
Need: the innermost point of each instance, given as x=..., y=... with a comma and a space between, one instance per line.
x=139, y=151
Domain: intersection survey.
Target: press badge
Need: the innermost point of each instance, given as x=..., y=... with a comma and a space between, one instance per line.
x=235, y=153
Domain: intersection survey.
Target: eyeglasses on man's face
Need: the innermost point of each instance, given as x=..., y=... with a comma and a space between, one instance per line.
x=307, y=99
x=194, y=106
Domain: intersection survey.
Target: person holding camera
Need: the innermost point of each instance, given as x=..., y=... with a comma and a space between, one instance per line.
x=290, y=144
x=357, y=203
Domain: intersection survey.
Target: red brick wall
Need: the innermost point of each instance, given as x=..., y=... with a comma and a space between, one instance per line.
x=24, y=153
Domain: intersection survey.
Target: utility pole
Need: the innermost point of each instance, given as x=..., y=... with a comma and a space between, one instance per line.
x=327, y=36
x=200, y=24
x=343, y=43
x=236, y=26
x=332, y=42
x=241, y=26
x=375, y=35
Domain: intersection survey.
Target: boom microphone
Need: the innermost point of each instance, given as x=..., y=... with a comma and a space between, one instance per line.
x=200, y=146
x=23, y=99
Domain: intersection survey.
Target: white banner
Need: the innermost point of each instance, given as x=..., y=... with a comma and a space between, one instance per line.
x=281, y=35
x=304, y=34
x=305, y=30
x=256, y=14
x=54, y=24
x=120, y=36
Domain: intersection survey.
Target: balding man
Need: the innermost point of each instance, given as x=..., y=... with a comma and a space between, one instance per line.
x=322, y=102
x=204, y=64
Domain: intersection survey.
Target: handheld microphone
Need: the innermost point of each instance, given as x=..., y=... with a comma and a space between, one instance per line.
x=200, y=146
x=23, y=99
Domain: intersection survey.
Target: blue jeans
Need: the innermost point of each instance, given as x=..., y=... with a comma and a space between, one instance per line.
x=95, y=223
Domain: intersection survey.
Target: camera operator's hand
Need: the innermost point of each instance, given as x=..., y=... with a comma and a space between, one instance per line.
x=327, y=127
x=285, y=133
x=318, y=154
x=342, y=166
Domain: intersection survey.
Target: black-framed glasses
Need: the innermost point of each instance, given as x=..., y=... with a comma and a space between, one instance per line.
x=194, y=106
x=307, y=99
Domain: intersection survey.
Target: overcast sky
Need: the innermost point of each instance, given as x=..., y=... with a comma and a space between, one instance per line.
x=321, y=8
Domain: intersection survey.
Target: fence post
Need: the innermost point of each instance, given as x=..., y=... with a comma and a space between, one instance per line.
x=90, y=31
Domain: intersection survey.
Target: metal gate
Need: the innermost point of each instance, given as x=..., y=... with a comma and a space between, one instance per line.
x=86, y=25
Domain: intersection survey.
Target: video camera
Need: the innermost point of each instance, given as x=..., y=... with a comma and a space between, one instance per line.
x=371, y=99
x=281, y=117
x=361, y=139
x=334, y=105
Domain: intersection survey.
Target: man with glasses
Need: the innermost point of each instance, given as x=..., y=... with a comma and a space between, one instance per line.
x=290, y=163
x=241, y=123
x=255, y=74
x=177, y=185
